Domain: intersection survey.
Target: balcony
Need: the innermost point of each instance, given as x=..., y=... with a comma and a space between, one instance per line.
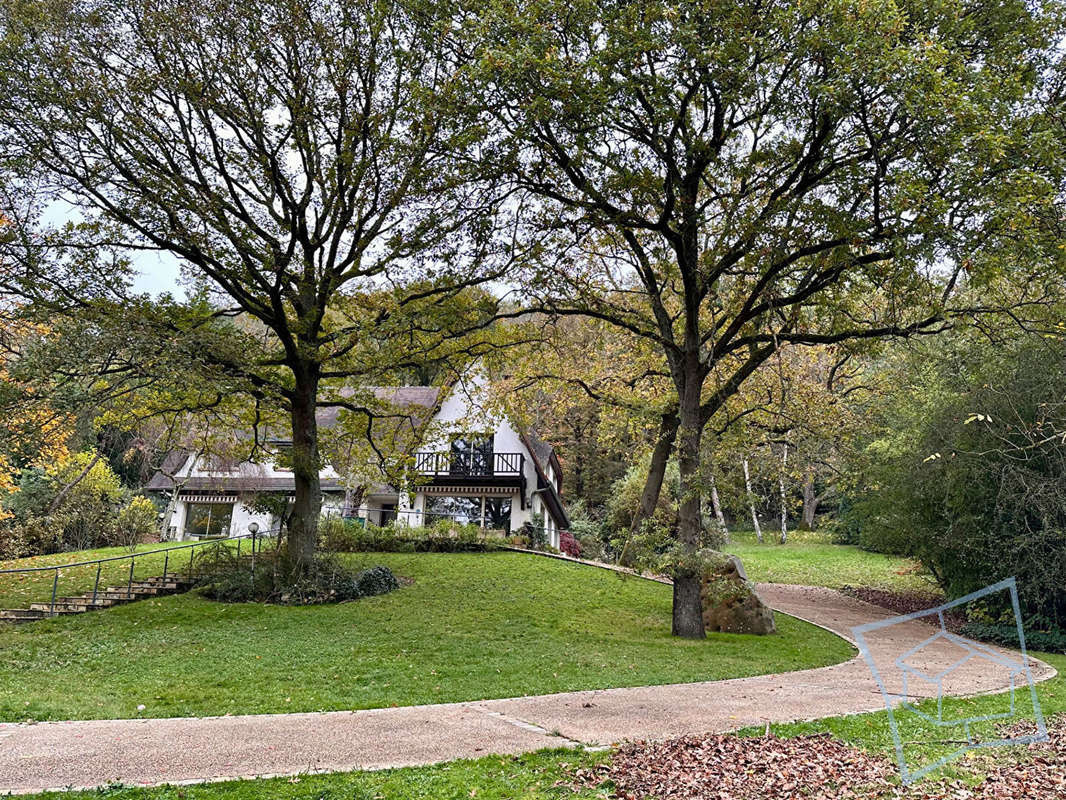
x=473, y=465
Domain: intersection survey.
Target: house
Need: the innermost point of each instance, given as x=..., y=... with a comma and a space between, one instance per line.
x=469, y=463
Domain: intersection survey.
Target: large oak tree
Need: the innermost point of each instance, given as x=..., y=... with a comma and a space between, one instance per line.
x=759, y=174
x=300, y=159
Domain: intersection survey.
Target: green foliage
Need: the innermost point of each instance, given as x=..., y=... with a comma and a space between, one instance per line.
x=535, y=534
x=84, y=516
x=590, y=533
x=376, y=580
x=225, y=576
x=351, y=536
x=625, y=499
x=967, y=469
x=1049, y=641
x=137, y=521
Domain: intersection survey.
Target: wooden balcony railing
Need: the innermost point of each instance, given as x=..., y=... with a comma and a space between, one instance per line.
x=470, y=465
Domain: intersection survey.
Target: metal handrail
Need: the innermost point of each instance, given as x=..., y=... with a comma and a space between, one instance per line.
x=257, y=536
x=202, y=542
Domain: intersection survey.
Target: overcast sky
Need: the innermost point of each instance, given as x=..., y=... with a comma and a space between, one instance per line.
x=159, y=273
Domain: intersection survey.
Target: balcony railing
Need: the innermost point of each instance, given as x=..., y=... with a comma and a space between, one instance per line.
x=470, y=465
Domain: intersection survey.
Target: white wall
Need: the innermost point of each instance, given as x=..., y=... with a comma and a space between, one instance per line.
x=467, y=408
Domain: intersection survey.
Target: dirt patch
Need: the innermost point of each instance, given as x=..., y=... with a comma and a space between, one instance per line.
x=728, y=767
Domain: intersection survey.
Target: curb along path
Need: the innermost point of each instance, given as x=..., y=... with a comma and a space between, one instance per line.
x=34, y=757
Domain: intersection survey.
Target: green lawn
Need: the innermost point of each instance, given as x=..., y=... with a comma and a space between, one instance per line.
x=21, y=589
x=812, y=559
x=472, y=626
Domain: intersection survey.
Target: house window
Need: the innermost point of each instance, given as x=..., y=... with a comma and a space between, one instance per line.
x=471, y=455
x=498, y=513
x=486, y=512
x=208, y=519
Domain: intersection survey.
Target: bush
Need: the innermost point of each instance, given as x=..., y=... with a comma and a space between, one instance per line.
x=1050, y=641
x=350, y=536
x=569, y=545
x=535, y=533
x=224, y=576
x=967, y=471
x=375, y=581
x=137, y=522
x=84, y=518
x=591, y=534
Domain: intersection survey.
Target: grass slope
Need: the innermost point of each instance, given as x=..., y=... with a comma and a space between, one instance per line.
x=472, y=626
x=813, y=560
x=21, y=589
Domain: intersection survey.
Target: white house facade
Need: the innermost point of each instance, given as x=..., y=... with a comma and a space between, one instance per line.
x=472, y=466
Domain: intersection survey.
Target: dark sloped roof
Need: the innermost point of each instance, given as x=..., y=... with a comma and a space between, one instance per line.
x=543, y=453
x=420, y=400
x=541, y=450
x=249, y=484
x=172, y=462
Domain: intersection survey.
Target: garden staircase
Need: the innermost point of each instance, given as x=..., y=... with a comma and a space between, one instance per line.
x=102, y=598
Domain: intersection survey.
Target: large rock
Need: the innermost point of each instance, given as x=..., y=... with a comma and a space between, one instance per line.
x=730, y=602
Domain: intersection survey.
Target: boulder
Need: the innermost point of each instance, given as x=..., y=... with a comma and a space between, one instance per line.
x=730, y=602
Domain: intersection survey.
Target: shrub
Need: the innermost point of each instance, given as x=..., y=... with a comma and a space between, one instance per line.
x=591, y=534
x=1050, y=641
x=569, y=545
x=967, y=471
x=137, y=522
x=625, y=498
x=351, y=536
x=375, y=581
x=84, y=518
x=223, y=575
x=535, y=532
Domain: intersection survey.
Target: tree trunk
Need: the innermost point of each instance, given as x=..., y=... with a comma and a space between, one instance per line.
x=784, y=496
x=307, y=500
x=688, y=609
x=59, y=498
x=810, y=500
x=717, y=506
x=353, y=499
x=751, y=502
x=649, y=498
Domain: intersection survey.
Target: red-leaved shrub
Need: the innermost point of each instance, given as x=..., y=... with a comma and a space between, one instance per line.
x=569, y=545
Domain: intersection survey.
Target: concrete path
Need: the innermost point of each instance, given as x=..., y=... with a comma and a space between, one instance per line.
x=39, y=756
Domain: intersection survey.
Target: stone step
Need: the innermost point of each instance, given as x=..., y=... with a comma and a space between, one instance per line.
x=60, y=608
x=168, y=586
x=118, y=597
x=154, y=586
x=87, y=600
x=20, y=615
x=147, y=591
